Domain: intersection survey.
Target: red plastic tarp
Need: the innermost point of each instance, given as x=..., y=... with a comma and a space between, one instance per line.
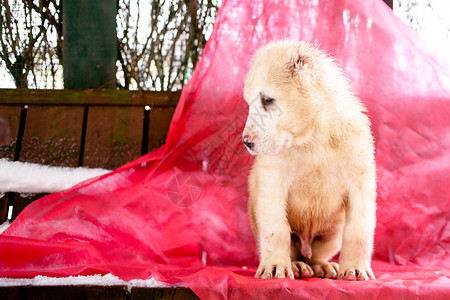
x=179, y=213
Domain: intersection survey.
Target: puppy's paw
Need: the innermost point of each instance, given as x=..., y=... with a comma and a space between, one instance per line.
x=325, y=269
x=356, y=273
x=302, y=270
x=274, y=270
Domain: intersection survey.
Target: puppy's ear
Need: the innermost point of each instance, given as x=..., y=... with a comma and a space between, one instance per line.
x=299, y=63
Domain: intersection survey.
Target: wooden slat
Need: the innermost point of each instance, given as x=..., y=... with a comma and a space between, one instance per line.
x=88, y=97
x=160, y=118
x=52, y=135
x=13, y=292
x=77, y=292
x=12, y=115
x=20, y=201
x=113, y=136
x=163, y=294
x=389, y=3
x=3, y=209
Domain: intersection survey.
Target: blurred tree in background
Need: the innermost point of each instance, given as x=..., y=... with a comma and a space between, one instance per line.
x=31, y=40
x=430, y=18
x=159, y=42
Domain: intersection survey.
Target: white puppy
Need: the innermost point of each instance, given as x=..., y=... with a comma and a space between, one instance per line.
x=313, y=185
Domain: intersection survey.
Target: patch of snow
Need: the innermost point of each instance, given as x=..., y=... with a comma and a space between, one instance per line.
x=4, y=226
x=98, y=280
x=34, y=178
x=152, y=283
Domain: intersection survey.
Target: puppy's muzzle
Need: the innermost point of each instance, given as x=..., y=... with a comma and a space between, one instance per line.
x=248, y=142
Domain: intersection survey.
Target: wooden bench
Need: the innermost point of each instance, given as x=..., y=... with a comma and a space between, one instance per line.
x=71, y=128
x=91, y=128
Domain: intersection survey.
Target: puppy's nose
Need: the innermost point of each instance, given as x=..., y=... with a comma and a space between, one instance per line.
x=248, y=142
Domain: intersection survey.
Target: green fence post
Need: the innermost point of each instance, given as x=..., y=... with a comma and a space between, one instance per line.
x=90, y=44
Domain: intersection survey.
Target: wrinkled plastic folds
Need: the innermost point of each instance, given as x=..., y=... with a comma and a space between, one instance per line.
x=179, y=213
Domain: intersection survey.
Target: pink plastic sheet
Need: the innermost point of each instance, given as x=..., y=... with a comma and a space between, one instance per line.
x=179, y=213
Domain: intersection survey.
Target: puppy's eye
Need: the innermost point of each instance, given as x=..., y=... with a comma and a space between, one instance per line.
x=267, y=101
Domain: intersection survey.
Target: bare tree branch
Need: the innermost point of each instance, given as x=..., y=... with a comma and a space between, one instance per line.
x=159, y=42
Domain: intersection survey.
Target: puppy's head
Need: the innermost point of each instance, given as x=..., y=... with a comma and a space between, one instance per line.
x=282, y=91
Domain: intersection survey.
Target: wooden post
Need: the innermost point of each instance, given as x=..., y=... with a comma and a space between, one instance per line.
x=389, y=3
x=90, y=43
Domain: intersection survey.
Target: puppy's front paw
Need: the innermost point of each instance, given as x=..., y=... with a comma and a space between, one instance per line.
x=356, y=273
x=325, y=269
x=274, y=270
x=302, y=270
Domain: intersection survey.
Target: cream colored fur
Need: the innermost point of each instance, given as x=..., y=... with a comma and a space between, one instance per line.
x=312, y=186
